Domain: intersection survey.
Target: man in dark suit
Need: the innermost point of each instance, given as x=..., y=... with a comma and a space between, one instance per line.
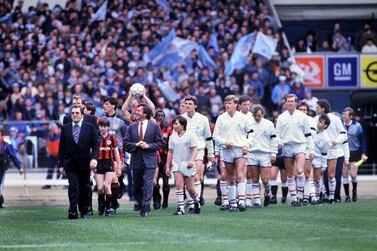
x=78, y=154
x=143, y=139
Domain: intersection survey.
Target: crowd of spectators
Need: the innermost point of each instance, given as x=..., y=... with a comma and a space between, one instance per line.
x=50, y=53
x=365, y=41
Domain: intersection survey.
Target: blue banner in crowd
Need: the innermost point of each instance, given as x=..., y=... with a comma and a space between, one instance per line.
x=342, y=71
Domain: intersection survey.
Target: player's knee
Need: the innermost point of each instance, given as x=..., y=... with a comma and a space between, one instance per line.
x=240, y=179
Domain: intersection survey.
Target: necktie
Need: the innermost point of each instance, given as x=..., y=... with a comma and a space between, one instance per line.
x=141, y=131
x=76, y=133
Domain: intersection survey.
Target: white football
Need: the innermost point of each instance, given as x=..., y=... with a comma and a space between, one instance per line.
x=137, y=90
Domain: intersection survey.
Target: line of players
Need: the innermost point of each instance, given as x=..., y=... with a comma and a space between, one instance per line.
x=248, y=147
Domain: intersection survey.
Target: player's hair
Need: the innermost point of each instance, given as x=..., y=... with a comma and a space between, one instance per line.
x=182, y=120
x=244, y=98
x=146, y=109
x=77, y=107
x=349, y=110
x=291, y=95
x=159, y=112
x=303, y=103
x=90, y=107
x=233, y=98
x=192, y=98
x=324, y=104
x=326, y=120
x=79, y=97
x=111, y=100
x=104, y=122
x=258, y=108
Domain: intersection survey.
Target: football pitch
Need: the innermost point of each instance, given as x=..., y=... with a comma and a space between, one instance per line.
x=342, y=226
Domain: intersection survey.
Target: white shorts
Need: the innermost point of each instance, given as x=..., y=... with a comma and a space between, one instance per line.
x=261, y=159
x=182, y=168
x=291, y=150
x=319, y=163
x=332, y=154
x=229, y=155
x=200, y=155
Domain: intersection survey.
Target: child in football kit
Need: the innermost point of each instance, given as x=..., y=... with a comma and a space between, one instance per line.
x=106, y=167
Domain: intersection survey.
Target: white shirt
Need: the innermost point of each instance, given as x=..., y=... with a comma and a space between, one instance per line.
x=182, y=146
x=233, y=129
x=145, y=125
x=263, y=137
x=294, y=129
x=199, y=126
x=336, y=131
x=322, y=144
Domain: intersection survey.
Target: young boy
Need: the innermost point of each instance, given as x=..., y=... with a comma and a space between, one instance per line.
x=322, y=144
x=108, y=149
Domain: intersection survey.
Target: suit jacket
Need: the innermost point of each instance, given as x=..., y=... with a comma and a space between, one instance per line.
x=74, y=156
x=87, y=118
x=152, y=136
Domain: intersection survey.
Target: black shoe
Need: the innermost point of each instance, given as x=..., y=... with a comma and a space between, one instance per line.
x=197, y=208
x=90, y=211
x=233, y=209
x=337, y=200
x=137, y=207
x=164, y=205
x=191, y=210
x=144, y=214
x=156, y=205
x=1, y=201
x=266, y=201
x=305, y=202
x=354, y=195
x=72, y=215
x=348, y=199
x=101, y=209
x=273, y=200
x=256, y=206
x=109, y=212
x=331, y=201
x=84, y=216
x=314, y=202
x=202, y=202
x=242, y=207
x=283, y=200
x=224, y=207
x=179, y=212
x=46, y=187
x=296, y=203
x=218, y=202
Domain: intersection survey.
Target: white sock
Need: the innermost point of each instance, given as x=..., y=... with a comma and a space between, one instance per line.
x=224, y=192
x=198, y=187
x=332, y=185
x=232, y=195
x=300, y=185
x=179, y=198
x=307, y=189
x=256, y=193
x=189, y=200
x=292, y=188
x=241, y=192
x=249, y=194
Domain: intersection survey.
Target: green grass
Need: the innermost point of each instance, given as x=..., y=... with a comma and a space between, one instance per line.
x=324, y=227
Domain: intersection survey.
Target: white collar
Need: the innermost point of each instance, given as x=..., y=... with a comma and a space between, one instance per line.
x=79, y=123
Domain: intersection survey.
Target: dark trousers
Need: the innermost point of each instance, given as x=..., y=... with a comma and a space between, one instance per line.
x=165, y=182
x=52, y=166
x=78, y=189
x=130, y=187
x=2, y=174
x=143, y=185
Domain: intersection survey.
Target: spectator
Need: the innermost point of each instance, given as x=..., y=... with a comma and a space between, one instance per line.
x=369, y=47
x=279, y=92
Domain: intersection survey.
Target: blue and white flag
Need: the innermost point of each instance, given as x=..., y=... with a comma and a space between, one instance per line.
x=100, y=14
x=265, y=45
x=160, y=48
x=7, y=18
x=175, y=53
x=163, y=4
x=205, y=58
x=213, y=42
x=240, y=53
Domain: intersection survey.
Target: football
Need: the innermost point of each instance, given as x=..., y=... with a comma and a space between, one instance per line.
x=137, y=90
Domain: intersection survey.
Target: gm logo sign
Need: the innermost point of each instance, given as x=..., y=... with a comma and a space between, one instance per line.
x=342, y=71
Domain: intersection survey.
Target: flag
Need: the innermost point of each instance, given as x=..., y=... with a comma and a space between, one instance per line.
x=7, y=18
x=213, y=42
x=163, y=4
x=240, y=53
x=100, y=14
x=265, y=45
x=167, y=91
x=175, y=53
x=205, y=58
x=159, y=48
